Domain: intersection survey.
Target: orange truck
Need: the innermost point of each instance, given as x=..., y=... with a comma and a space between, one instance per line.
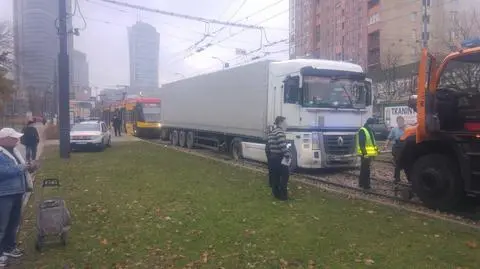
x=441, y=154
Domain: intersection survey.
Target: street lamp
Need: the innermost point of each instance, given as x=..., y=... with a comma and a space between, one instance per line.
x=225, y=64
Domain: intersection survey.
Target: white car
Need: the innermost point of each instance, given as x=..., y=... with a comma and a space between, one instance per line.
x=90, y=134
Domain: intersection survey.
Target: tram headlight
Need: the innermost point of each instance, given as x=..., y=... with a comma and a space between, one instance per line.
x=159, y=125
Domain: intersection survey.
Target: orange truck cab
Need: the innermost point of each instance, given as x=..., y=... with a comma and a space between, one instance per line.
x=441, y=154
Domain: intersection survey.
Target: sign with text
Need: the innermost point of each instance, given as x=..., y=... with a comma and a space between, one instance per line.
x=392, y=112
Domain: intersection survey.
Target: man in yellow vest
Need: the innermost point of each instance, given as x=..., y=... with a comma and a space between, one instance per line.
x=366, y=149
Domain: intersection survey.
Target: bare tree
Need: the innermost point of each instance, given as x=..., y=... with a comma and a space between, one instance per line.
x=6, y=84
x=387, y=88
x=6, y=45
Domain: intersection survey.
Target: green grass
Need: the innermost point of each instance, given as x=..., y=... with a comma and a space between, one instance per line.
x=142, y=206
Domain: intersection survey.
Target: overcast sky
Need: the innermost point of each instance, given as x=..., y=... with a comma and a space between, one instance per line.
x=105, y=37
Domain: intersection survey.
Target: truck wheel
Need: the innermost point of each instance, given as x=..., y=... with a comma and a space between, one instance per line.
x=174, y=138
x=182, y=139
x=164, y=134
x=236, y=149
x=190, y=140
x=436, y=180
x=294, y=164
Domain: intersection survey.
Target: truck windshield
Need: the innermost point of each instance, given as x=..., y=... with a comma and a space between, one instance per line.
x=333, y=93
x=462, y=75
x=151, y=114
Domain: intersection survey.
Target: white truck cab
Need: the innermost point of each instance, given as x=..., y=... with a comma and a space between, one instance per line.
x=324, y=103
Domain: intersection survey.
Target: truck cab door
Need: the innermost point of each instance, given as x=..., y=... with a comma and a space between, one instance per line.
x=426, y=119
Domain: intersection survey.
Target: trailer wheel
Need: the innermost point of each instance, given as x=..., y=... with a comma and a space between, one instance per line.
x=294, y=163
x=236, y=149
x=174, y=138
x=182, y=139
x=190, y=140
x=437, y=182
x=164, y=135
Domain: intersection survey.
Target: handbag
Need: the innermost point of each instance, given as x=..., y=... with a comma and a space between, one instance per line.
x=28, y=182
x=27, y=175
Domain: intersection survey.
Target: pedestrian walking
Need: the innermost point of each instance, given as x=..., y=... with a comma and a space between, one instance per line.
x=117, y=123
x=30, y=140
x=15, y=181
x=278, y=156
x=394, y=138
x=366, y=149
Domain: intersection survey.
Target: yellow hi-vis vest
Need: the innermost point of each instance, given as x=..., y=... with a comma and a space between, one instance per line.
x=370, y=144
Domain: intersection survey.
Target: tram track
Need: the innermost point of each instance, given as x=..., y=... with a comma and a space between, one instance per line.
x=344, y=182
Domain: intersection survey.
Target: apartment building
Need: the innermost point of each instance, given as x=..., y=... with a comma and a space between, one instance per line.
x=329, y=29
x=36, y=50
x=398, y=29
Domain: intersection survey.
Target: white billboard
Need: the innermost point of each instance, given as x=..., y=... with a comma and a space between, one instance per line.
x=392, y=112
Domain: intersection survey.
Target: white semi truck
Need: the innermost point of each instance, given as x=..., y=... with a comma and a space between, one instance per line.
x=324, y=102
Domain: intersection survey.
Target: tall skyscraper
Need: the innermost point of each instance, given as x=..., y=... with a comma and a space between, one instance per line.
x=144, y=43
x=36, y=50
x=80, y=77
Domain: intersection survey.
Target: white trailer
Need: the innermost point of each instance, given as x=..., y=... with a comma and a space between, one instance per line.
x=324, y=102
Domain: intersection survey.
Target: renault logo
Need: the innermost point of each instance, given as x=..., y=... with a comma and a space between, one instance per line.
x=340, y=141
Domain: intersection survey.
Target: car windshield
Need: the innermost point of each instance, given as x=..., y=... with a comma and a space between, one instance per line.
x=152, y=114
x=328, y=92
x=86, y=127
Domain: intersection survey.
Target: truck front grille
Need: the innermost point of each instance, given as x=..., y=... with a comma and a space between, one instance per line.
x=339, y=144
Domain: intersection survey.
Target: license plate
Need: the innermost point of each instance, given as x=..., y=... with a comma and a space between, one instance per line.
x=80, y=143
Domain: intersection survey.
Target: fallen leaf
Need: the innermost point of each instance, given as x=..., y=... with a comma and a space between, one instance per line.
x=311, y=264
x=369, y=261
x=370, y=211
x=283, y=264
x=104, y=242
x=472, y=244
x=204, y=257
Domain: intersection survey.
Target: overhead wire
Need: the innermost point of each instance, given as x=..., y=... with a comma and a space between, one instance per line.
x=354, y=29
x=229, y=37
x=125, y=26
x=183, y=16
x=127, y=12
x=77, y=7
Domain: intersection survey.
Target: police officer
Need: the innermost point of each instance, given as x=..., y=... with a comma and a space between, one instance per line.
x=366, y=149
x=277, y=151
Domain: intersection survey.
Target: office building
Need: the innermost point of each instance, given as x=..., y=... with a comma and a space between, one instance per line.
x=36, y=50
x=80, y=77
x=144, y=43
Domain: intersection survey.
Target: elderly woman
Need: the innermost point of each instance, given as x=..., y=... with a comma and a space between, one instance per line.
x=15, y=181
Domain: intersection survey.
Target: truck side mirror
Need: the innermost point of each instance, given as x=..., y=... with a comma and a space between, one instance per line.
x=368, y=93
x=412, y=102
x=291, y=90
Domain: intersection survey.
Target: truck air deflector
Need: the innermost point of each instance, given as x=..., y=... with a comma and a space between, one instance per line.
x=311, y=71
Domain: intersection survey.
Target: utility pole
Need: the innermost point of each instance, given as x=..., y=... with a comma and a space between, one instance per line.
x=425, y=20
x=63, y=82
